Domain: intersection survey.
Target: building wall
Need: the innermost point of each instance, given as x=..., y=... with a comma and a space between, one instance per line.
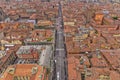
x=2, y=15
x=9, y=60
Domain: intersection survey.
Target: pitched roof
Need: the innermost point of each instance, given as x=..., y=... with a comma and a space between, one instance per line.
x=24, y=70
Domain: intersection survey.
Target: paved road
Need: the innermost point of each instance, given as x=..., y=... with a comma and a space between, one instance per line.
x=45, y=57
x=60, y=52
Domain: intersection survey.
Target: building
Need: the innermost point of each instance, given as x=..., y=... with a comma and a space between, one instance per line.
x=29, y=52
x=24, y=72
x=112, y=56
x=2, y=15
x=40, y=36
x=40, y=54
x=6, y=58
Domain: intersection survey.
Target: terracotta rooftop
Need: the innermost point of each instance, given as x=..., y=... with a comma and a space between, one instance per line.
x=73, y=74
x=30, y=71
x=112, y=56
x=101, y=74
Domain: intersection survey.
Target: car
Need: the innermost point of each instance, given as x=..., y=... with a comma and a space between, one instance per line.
x=55, y=61
x=58, y=76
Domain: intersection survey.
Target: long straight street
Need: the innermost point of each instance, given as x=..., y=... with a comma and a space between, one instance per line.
x=60, y=52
